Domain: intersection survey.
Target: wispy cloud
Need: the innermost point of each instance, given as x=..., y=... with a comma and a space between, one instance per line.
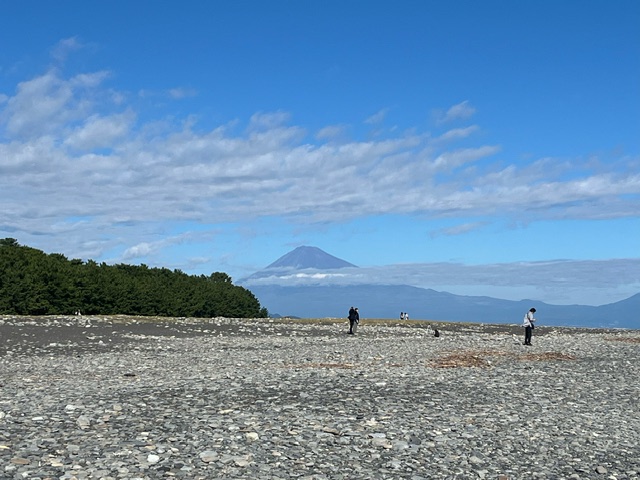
x=458, y=229
x=142, y=249
x=69, y=149
x=378, y=117
x=461, y=111
x=458, y=133
x=64, y=48
x=49, y=104
x=181, y=92
x=332, y=132
x=146, y=249
x=100, y=131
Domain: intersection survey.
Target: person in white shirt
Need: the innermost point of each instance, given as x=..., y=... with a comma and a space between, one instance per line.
x=527, y=323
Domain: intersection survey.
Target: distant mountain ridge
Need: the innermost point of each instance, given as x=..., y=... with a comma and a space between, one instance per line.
x=387, y=301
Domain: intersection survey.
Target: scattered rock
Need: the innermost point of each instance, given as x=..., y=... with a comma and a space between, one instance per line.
x=83, y=421
x=209, y=456
x=263, y=399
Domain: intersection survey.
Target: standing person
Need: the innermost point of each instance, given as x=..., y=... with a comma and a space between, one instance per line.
x=401, y=315
x=527, y=323
x=352, y=319
x=355, y=325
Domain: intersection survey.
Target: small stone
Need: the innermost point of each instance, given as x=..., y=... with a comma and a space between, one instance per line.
x=601, y=470
x=209, y=456
x=241, y=462
x=252, y=436
x=400, y=445
x=381, y=442
x=83, y=421
x=153, y=458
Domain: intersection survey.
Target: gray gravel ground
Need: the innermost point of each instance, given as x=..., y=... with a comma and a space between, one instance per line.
x=121, y=398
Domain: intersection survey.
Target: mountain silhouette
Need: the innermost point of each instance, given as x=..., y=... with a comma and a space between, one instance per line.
x=325, y=299
x=309, y=257
x=386, y=301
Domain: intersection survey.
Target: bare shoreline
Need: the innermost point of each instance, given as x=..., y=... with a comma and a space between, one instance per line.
x=125, y=398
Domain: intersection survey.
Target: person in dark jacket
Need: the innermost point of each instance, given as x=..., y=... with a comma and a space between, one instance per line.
x=354, y=319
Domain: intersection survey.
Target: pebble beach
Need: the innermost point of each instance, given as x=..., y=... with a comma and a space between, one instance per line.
x=125, y=398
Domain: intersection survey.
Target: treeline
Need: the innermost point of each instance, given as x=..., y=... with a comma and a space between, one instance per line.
x=35, y=283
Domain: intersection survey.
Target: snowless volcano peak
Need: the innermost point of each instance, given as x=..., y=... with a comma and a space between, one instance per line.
x=309, y=257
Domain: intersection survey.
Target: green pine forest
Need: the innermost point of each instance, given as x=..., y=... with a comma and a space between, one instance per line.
x=35, y=283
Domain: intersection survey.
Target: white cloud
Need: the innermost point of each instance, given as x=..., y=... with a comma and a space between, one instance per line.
x=47, y=103
x=378, y=117
x=140, y=250
x=147, y=250
x=69, y=150
x=64, y=47
x=269, y=120
x=458, y=133
x=100, y=132
x=453, y=159
x=179, y=93
x=331, y=132
x=461, y=111
x=458, y=229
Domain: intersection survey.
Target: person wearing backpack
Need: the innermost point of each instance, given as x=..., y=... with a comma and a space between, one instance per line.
x=527, y=323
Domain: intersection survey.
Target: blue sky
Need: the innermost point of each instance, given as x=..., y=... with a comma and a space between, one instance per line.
x=475, y=147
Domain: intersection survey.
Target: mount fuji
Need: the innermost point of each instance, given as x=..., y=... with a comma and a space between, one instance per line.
x=310, y=283
x=309, y=257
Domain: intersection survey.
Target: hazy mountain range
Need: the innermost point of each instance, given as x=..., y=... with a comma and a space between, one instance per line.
x=324, y=299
